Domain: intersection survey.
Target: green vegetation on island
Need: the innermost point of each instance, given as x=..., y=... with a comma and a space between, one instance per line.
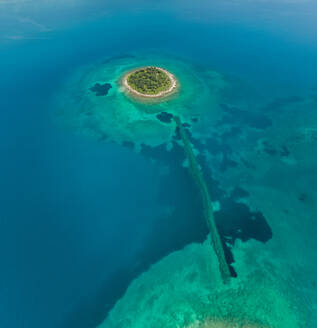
x=149, y=81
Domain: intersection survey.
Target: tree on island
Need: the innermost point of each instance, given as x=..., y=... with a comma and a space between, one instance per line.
x=149, y=80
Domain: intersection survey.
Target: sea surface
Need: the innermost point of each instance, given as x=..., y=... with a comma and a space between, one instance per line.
x=81, y=217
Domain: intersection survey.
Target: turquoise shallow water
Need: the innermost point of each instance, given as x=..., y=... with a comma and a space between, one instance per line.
x=83, y=214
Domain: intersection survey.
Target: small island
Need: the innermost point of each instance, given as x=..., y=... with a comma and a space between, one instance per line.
x=150, y=81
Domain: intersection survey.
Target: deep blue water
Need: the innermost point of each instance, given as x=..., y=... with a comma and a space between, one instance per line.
x=75, y=213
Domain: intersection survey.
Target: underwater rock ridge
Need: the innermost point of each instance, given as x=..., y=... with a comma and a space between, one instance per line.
x=208, y=210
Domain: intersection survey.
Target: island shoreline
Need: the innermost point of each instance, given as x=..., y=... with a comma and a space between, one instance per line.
x=162, y=94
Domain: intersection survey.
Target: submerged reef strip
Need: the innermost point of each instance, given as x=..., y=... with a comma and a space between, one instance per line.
x=206, y=200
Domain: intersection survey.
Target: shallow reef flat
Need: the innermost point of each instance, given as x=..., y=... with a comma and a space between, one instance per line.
x=185, y=290
x=83, y=104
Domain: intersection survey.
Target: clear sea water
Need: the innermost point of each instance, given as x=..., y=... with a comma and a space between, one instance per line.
x=76, y=213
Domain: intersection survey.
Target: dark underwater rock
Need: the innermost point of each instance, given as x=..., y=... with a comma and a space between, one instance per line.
x=194, y=119
x=284, y=152
x=279, y=103
x=165, y=117
x=238, y=193
x=234, y=115
x=101, y=89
